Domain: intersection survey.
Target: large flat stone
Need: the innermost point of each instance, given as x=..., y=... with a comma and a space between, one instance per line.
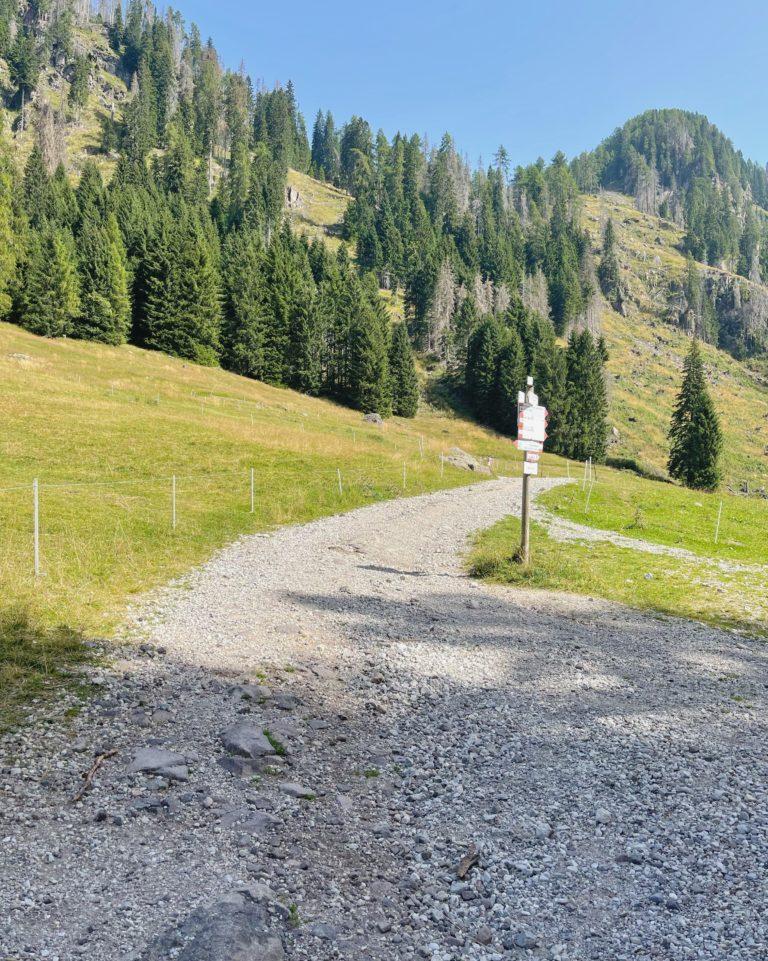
x=247, y=740
x=156, y=760
x=232, y=929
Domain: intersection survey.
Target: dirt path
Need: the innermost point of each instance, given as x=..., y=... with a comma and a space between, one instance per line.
x=609, y=768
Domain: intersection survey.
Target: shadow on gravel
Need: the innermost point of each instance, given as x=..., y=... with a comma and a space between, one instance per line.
x=582, y=657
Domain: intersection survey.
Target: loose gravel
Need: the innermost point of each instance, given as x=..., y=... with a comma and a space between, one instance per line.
x=332, y=732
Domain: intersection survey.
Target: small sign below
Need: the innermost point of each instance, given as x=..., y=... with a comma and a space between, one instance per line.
x=532, y=470
x=534, y=446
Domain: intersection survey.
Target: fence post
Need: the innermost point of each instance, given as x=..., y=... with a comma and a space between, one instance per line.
x=403, y=475
x=341, y=489
x=36, y=505
x=719, y=518
x=442, y=465
x=253, y=495
x=173, y=502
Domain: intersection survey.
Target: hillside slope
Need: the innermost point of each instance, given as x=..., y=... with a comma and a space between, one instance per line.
x=647, y=348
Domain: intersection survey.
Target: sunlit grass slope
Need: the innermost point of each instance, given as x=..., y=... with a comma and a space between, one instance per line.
x=647, y=352
x=320, y=209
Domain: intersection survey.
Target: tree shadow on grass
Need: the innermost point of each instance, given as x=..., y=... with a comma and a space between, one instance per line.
x=35, y=661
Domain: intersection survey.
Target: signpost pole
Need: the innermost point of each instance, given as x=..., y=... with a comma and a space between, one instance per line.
x=531, y=434
x=525, y=542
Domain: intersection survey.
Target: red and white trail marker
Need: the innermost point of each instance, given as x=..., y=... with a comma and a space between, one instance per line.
x=532, y=422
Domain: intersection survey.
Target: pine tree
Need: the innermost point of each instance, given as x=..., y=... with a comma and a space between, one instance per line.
x=183, y=308
x=50, y=299
x=106, y=306
x=696, y=440
x=586, y=410
x=368, y=388
x=36, y=190
x=246, y=311
x=510, y=380
x=481, y=370
x=9, y=234
x=402, y=374
x=608, y=272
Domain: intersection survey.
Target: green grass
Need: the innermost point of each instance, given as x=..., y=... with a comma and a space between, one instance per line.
x=658, y=584
x=669, y=515
x=657, y=513
x=104, y=429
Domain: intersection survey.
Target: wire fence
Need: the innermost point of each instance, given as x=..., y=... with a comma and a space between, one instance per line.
x=58, y=528
x=50, y=525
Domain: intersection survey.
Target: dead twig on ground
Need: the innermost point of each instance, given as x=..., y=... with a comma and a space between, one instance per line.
x=88, y=778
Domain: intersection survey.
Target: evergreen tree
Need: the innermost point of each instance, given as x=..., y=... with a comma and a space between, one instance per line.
x=246, y=311
x=36, y=190
x=9, y=228
x=585, y=432
x=695, y=436
x=510, y=380
x=368, y=366
x=402, y=374
x=608, y=272
x=106, y=306
x=50, y=299
x=183, y=308
x=482, y=366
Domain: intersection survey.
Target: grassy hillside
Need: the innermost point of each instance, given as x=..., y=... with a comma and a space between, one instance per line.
x=320, y=209
x=104, y=429
x=647, y=352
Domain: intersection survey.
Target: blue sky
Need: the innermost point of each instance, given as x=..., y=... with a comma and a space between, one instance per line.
x=535, y=76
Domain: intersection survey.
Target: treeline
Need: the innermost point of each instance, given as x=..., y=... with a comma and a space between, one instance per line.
x=187, y=250
x=570, y=382
x=493, y=267
x=680, y=166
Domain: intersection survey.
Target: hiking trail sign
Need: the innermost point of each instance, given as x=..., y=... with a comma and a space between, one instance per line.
x=532, y=423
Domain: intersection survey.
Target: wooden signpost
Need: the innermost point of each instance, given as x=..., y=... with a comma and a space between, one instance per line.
x=532, y=421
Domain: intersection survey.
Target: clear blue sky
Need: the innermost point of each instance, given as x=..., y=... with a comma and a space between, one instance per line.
x=536, y=76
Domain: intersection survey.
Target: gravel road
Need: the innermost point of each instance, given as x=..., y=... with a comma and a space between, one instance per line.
x=325, y=726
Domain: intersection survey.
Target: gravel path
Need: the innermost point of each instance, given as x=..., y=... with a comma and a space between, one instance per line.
x=603, y=774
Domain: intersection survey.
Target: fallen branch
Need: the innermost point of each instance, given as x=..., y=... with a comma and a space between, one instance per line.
x=101, y=758
x=466, y=864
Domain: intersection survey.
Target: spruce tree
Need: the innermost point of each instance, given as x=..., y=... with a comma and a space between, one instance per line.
x=586, y=409
x=482, y=364
x=608, y=272
x=9, y=238
x=106, y=306
x=183, y=307
x=368, y=388
x=510, y=380
x=246, y=313
x=402, y=374
x=50, y=299
x=696, y=441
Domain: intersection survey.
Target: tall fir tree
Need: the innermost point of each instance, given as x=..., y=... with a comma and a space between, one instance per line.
x=608, y=272
x=50, y=299
x=586, y=427
x=183, y=306
x=696, y=440
x=403, y=378
x=106, y=305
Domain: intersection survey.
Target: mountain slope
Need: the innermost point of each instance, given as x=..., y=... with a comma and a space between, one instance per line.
x=647, y=348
